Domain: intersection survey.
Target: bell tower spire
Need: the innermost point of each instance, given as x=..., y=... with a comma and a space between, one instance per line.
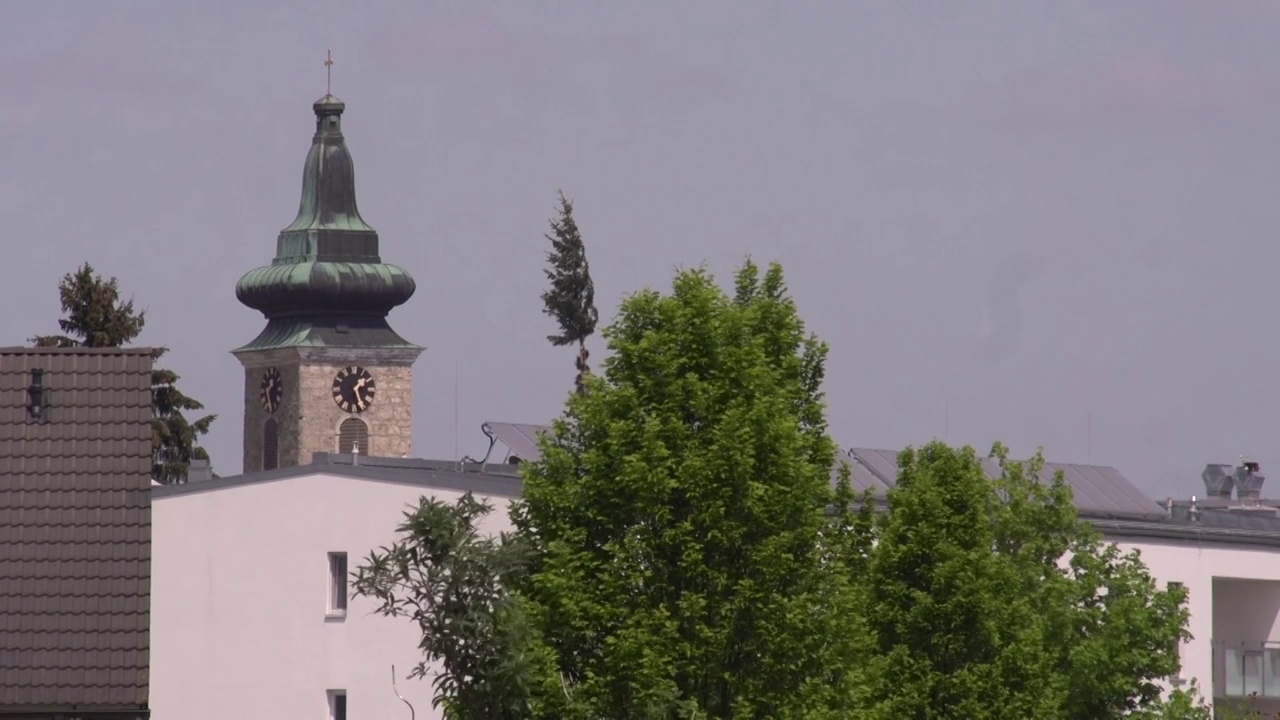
x=327, y=373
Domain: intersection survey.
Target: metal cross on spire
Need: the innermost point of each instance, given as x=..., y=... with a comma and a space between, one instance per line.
x=328, y=69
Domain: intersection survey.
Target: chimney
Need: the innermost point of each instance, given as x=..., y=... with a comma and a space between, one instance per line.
x=1248, y=481
x=1218, y=480
x=199, y=470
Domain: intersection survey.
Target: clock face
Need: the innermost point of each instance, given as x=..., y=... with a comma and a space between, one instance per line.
x=271, y=390
x=353, y=389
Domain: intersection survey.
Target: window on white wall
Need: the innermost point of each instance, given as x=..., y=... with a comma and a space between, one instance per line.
x=337, y=705
x=338, y=584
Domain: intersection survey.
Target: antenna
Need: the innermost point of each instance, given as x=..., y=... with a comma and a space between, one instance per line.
x=1089, y=436
x=397, y=692
x=455, y=413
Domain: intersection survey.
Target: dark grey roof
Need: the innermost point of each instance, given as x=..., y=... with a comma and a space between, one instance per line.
x=75, y=530
x=1254, y=518
x=1098, y=490
x=1251, y=526
x=499, y=480
x=1240, y=519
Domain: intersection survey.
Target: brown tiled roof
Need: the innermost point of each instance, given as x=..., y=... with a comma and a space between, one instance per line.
x=75, y=530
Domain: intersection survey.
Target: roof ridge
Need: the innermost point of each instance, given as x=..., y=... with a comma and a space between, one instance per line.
x=78, y=350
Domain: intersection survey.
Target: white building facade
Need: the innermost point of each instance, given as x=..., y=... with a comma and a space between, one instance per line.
x=252, y=614
x=1232, y=577
x=249, y=577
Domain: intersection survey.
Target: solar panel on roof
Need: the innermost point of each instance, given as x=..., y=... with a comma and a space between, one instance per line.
x=520, y=438
x=1096, y=489
x=881, y=463
x=863, y=479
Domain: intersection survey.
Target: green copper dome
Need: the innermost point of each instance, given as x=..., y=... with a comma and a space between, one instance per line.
x=327, y=276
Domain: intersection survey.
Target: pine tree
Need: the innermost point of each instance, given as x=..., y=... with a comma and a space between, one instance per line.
x=96, y=317
x=571, y=297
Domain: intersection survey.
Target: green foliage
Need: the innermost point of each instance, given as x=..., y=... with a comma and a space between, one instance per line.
x=680, y=551
x=946, y=611
x=455, y=584
x=571, y=297
x=991, y=599
x=96, y=317
x=1184, y=704
x=174, y=439
x=677, y=515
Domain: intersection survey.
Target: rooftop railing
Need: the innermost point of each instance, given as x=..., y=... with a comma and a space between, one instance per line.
x=1246, y=669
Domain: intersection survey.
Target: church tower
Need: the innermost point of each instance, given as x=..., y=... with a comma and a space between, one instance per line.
x=327, y=374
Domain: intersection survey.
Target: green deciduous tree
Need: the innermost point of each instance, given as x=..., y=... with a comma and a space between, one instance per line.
x=97, y=317
x=677, y=514
x=571, y=297
x=990, y=598
x=1185, y=704
x=675, y=554
x=680, y=551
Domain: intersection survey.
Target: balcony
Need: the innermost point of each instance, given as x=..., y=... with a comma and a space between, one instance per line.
x=1246, y=669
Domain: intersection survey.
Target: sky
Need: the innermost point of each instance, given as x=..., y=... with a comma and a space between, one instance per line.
x=1049, y=224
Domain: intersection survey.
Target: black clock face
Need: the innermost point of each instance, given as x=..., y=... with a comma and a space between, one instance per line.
x=353, y=389
x=272, y=390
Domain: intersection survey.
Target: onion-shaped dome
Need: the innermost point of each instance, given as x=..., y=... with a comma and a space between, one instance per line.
x=328, y=288
x=327, y=268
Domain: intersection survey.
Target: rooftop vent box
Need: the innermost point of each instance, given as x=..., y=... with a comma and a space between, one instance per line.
x=199, y=470
x=1218, y=480
x=1248, y=480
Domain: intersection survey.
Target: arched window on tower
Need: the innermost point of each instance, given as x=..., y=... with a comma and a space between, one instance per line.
x=270, y=445
x=353, y=436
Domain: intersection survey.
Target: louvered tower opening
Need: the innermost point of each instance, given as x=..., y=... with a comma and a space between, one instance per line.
x=270, y=445
x=353, y=436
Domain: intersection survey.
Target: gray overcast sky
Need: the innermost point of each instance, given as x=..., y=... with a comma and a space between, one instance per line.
x=1028, y=212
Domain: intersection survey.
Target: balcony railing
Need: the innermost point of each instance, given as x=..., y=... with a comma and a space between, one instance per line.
x=1244, y=669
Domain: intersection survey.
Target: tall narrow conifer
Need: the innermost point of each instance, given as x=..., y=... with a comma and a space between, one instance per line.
x=571, y=297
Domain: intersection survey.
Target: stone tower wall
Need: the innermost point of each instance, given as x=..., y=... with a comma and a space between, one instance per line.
x=308, y=419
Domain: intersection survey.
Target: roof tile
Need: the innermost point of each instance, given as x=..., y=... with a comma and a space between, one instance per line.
x=75, y=529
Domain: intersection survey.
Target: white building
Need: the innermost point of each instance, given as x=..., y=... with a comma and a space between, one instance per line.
x=1224, y=548
x=246, y=609
x=249, y=572
x=250, y=607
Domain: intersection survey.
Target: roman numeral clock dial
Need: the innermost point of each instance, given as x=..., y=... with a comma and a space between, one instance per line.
x=353, y=389
x=271, y=390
